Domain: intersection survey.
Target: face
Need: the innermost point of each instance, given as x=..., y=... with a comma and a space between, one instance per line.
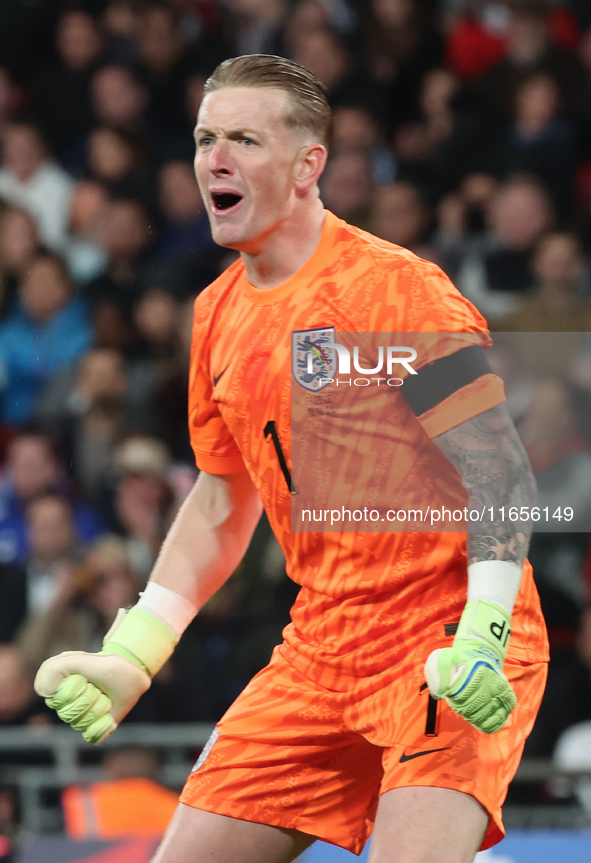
x=246, y=164
x=32, y=466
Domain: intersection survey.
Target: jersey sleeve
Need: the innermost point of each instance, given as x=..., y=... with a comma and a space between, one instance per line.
x=215, y=449
x=441, y=322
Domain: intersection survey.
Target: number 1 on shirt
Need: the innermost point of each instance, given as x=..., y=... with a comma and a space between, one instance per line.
x=271, y=429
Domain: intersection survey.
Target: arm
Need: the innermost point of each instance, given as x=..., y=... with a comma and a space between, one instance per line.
x=93, y=692
x=496, y=472
x=209, y=536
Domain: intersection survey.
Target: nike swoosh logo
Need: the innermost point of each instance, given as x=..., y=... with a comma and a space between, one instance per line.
x=216, y=380
x=404, y=757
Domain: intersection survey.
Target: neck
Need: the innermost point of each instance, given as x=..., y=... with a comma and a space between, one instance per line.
x=286, y=249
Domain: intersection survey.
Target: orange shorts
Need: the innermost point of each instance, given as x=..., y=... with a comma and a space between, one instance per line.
x=291, y=754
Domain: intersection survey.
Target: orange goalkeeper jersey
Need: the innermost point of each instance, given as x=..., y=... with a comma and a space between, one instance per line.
x=366, y=599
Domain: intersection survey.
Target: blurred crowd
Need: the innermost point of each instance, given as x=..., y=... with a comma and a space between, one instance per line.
x=462, y=131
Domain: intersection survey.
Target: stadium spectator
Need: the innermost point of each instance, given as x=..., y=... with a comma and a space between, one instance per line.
x=116, y=159
x=558, y=302
x=89, y=407
x=127, y=801
x=48, y=330
x=184, y=231
x=448, y=139
x=400, y=215
x=19, y=243
x=461, y=219
x=163, y=63
x=346, y=79
x=61, y=91
x=33, y=469
x=142, y=499
x=17, y=698
x=357, y=128
x=496, y=270
x=347, y=186
x=120, y=23
x=540, y=141
x=30, y=179
x=85, y=596
x=255, y=25
x=121, y=101
x=82, y=250
x=401, y=43
x=170, y=395
x=529, y=50
x=125, y=237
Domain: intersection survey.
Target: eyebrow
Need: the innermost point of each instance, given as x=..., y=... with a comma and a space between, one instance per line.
x=234, y=135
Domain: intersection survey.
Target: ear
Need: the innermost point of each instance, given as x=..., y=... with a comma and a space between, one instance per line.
x=309, y=166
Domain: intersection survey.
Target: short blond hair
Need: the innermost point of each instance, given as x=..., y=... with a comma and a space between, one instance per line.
x=309, y=109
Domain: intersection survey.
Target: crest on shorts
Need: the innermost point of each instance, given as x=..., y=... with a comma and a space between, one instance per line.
x=206, y=750
x=313, y=362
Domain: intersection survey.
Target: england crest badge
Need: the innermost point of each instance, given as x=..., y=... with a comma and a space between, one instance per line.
x=313, y=362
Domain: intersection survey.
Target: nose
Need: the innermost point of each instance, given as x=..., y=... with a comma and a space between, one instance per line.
x=219, y=161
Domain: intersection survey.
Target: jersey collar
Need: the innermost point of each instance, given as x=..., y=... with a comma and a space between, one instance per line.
x=307, y=273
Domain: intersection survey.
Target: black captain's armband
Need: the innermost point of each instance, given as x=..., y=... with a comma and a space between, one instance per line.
x=436, y=381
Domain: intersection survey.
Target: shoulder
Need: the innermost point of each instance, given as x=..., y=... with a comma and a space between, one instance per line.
x=401, y=290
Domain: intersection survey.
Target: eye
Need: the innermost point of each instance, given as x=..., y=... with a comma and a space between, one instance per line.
x=248, y=142
x=205, y=141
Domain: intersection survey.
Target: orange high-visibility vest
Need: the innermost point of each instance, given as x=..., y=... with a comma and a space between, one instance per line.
x=124, y=807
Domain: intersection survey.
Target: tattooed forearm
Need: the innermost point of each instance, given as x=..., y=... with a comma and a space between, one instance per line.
x=488, y=455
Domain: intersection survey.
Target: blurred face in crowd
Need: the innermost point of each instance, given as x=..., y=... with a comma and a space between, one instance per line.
x=325, y=56
x=109, y=156
x=116, y=587
x=32, y=466
x=178, y=192
x=159, y=42
x=537, y=102
x=18, y=238
x=16, y=689
x=549, y=418
x=156, y=316
x=78, y=40
x=398, y=214
x=101, y=374
x=354, y=128
x=250, y=165
x=50, y=528
x=23, y=151
x=44, y=289
x=125, y=232
x=117, y=98
x=87, y=200
x=347, y=184
x=392, y=13
x=558, y=262
x=528, y=37
x=519, y=214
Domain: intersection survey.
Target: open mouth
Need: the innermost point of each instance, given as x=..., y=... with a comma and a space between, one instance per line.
x=223, y=202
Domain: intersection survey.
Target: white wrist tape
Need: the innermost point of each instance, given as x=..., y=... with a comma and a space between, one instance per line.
x=172, y=609
x=495, y=580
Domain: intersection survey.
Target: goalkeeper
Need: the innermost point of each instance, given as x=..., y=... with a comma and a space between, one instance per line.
x=414, y=665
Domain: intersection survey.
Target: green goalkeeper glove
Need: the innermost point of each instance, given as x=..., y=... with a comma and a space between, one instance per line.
x=469, y=675
x=94, y=691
